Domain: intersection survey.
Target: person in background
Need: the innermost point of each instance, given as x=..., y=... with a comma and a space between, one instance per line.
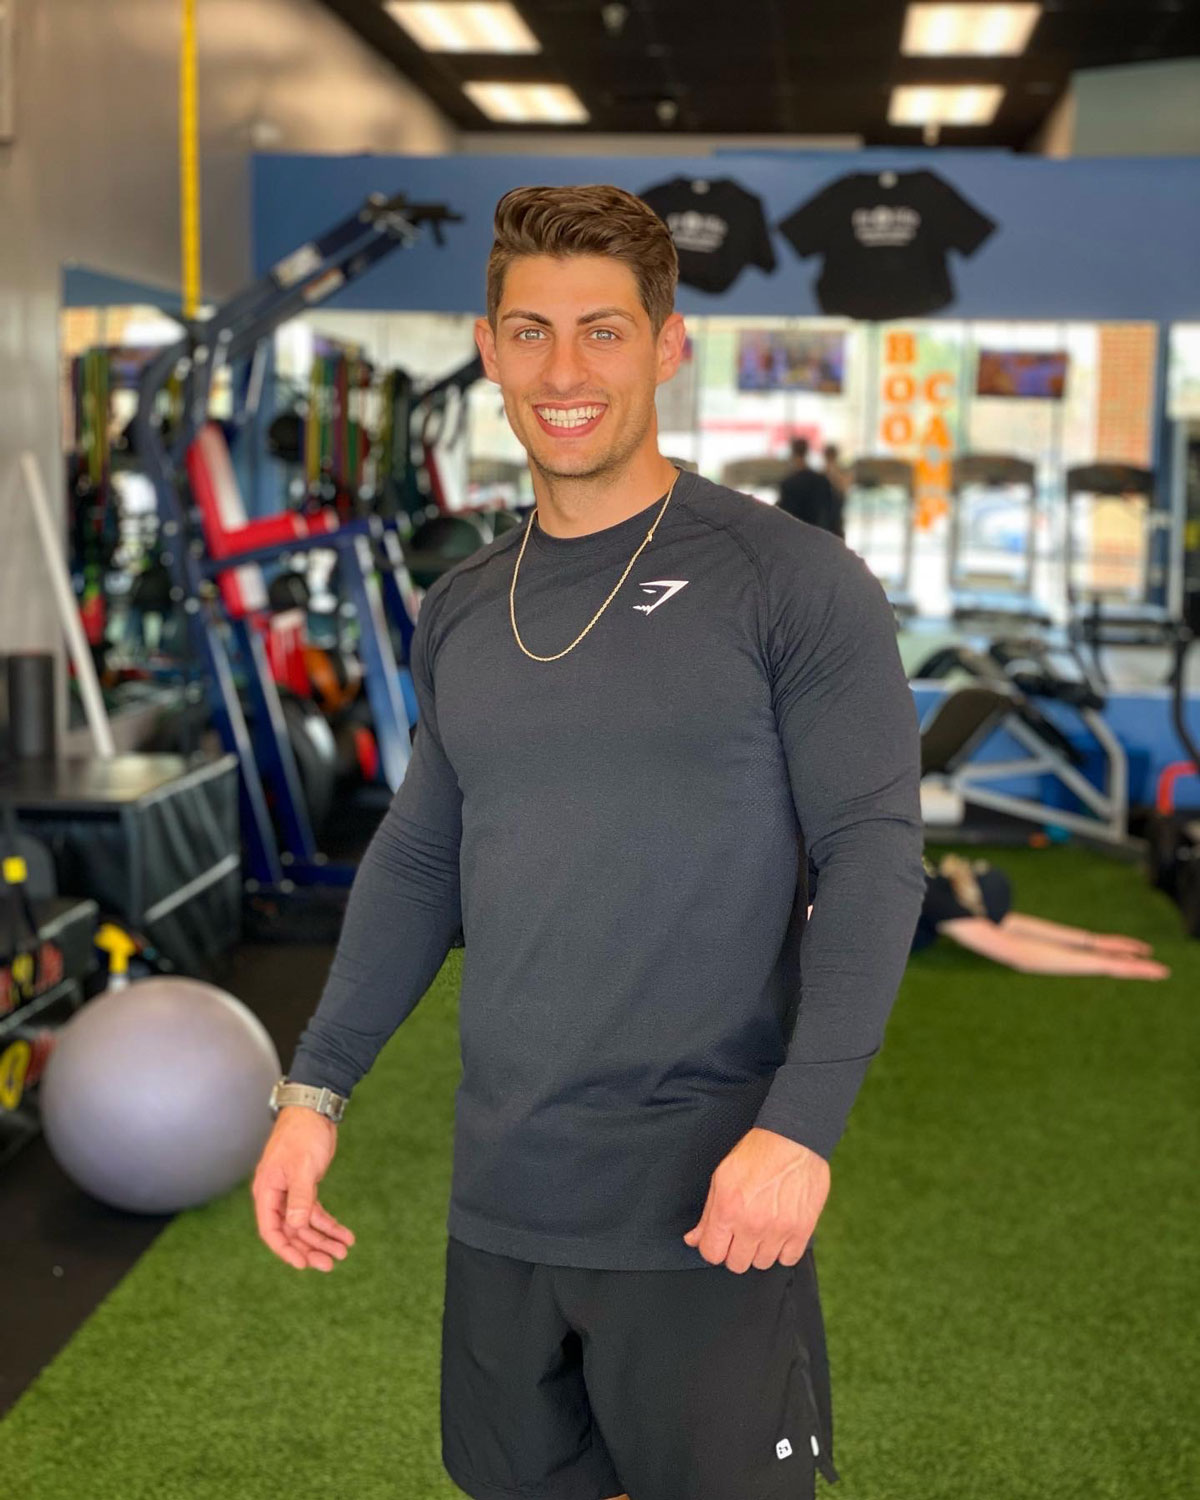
x=808, y=495
x=837, y=473
x=970, y=902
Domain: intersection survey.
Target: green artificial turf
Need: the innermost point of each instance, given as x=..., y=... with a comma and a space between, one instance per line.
x=1007, y=1261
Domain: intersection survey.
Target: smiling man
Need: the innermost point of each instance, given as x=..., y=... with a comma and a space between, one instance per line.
x=644, y=716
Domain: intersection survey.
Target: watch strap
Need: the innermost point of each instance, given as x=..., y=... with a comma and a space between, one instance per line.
x=323, y=1100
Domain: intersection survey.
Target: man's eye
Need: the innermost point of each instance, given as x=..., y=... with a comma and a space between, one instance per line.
x=523, y=331
x=611, y=334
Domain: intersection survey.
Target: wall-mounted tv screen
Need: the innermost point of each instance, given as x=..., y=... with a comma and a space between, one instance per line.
x=1022, y=373
x=772, y=359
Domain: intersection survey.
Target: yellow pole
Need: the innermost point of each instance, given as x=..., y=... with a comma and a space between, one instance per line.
x=189, y=163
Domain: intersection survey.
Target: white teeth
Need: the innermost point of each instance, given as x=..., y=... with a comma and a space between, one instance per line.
x=577, y=416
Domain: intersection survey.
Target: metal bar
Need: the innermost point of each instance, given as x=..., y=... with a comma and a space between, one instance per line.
x=382, y=674
x=68, y=610
x=274, y=747
x=184, y=893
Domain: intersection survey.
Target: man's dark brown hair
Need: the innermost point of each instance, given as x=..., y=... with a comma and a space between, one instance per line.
x=597, y=219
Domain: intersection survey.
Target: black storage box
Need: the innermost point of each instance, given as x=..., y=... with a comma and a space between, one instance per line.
x=153, y=839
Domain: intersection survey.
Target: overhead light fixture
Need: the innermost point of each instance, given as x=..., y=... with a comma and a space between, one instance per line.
x=464, y=26
x=526, y=103
x=968, y=30
x=945, y=104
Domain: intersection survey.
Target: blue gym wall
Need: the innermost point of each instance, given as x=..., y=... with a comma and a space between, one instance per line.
x=1077, y=239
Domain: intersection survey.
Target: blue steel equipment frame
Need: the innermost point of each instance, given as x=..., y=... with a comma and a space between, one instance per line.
x=369, y=553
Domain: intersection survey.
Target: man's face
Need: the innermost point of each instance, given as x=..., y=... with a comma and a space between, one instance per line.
x=577, y=362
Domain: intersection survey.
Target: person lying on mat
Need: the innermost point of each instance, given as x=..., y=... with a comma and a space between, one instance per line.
x=970, y=902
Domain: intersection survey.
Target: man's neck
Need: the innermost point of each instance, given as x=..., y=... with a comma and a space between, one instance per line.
x=577, y=507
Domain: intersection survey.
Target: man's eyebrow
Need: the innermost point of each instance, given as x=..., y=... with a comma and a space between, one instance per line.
x=526, y=316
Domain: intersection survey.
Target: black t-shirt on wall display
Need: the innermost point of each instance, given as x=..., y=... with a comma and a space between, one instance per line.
x=885, y=237
x=718, y=227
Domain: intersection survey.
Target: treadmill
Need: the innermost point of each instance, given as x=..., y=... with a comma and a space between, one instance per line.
x=992, y=542
x=880, y=519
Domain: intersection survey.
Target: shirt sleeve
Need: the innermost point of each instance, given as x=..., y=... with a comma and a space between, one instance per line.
x=404, y=908
x=963, y=226
x=807, y=228
x=848, y=724
x=759, y=249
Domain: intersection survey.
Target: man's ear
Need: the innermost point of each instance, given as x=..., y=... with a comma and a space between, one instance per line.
x=485, y=342
x=671, y=339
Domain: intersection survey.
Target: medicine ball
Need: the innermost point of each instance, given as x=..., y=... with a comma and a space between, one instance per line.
x=155, y=1095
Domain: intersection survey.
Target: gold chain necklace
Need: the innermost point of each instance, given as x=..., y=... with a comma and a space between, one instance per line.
x=512, y=593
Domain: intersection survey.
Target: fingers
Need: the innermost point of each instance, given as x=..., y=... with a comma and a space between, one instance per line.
x=324, y=1220
x=1118, y=943
x=720, y=1242
x=711, y=1236
x=295, y=1227
x=1139, y=968
x=268, y=1210
x=305, y=1225
x=313, y=1239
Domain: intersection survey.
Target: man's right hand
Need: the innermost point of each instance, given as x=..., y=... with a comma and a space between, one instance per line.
x=291, y=1221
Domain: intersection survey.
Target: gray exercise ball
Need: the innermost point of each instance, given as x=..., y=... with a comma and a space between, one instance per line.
x=155, y=1096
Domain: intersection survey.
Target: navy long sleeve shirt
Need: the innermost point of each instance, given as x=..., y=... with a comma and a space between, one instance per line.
x=623, y=834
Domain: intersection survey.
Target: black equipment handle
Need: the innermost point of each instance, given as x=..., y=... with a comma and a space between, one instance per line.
x=1184, y=640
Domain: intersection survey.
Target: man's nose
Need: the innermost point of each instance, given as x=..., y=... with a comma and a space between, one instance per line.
x=565, y=370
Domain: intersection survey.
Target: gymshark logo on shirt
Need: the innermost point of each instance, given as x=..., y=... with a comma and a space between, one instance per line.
x=672, y=586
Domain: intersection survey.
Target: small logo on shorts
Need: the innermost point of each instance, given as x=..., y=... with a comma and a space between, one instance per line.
x=783, y=1449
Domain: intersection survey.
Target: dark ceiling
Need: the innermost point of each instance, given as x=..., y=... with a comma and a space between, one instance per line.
x=760, y=67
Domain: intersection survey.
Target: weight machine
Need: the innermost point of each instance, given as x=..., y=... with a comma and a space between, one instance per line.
x=215, y=553
x=1012, y=688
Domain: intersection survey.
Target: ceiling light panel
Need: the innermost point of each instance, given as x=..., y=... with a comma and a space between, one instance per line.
x=937, y=104
x=968, y=30
x=461, y=26
x=525, y=103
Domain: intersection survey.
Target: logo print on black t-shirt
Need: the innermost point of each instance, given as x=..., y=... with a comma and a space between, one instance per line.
x=885, y=226
x=702, y=232
x=672, y=586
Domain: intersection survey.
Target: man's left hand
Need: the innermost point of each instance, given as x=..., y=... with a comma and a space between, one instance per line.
x=763, y=1203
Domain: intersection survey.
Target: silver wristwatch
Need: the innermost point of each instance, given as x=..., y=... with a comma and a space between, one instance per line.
x=324, y=1101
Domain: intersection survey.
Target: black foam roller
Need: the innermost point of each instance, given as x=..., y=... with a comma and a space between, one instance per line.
x=31, y=705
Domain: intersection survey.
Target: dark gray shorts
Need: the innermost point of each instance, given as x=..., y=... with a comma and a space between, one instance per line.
x=560, y=1383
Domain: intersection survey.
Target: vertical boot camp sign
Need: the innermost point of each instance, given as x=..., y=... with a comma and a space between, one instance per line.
x=914, y=419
